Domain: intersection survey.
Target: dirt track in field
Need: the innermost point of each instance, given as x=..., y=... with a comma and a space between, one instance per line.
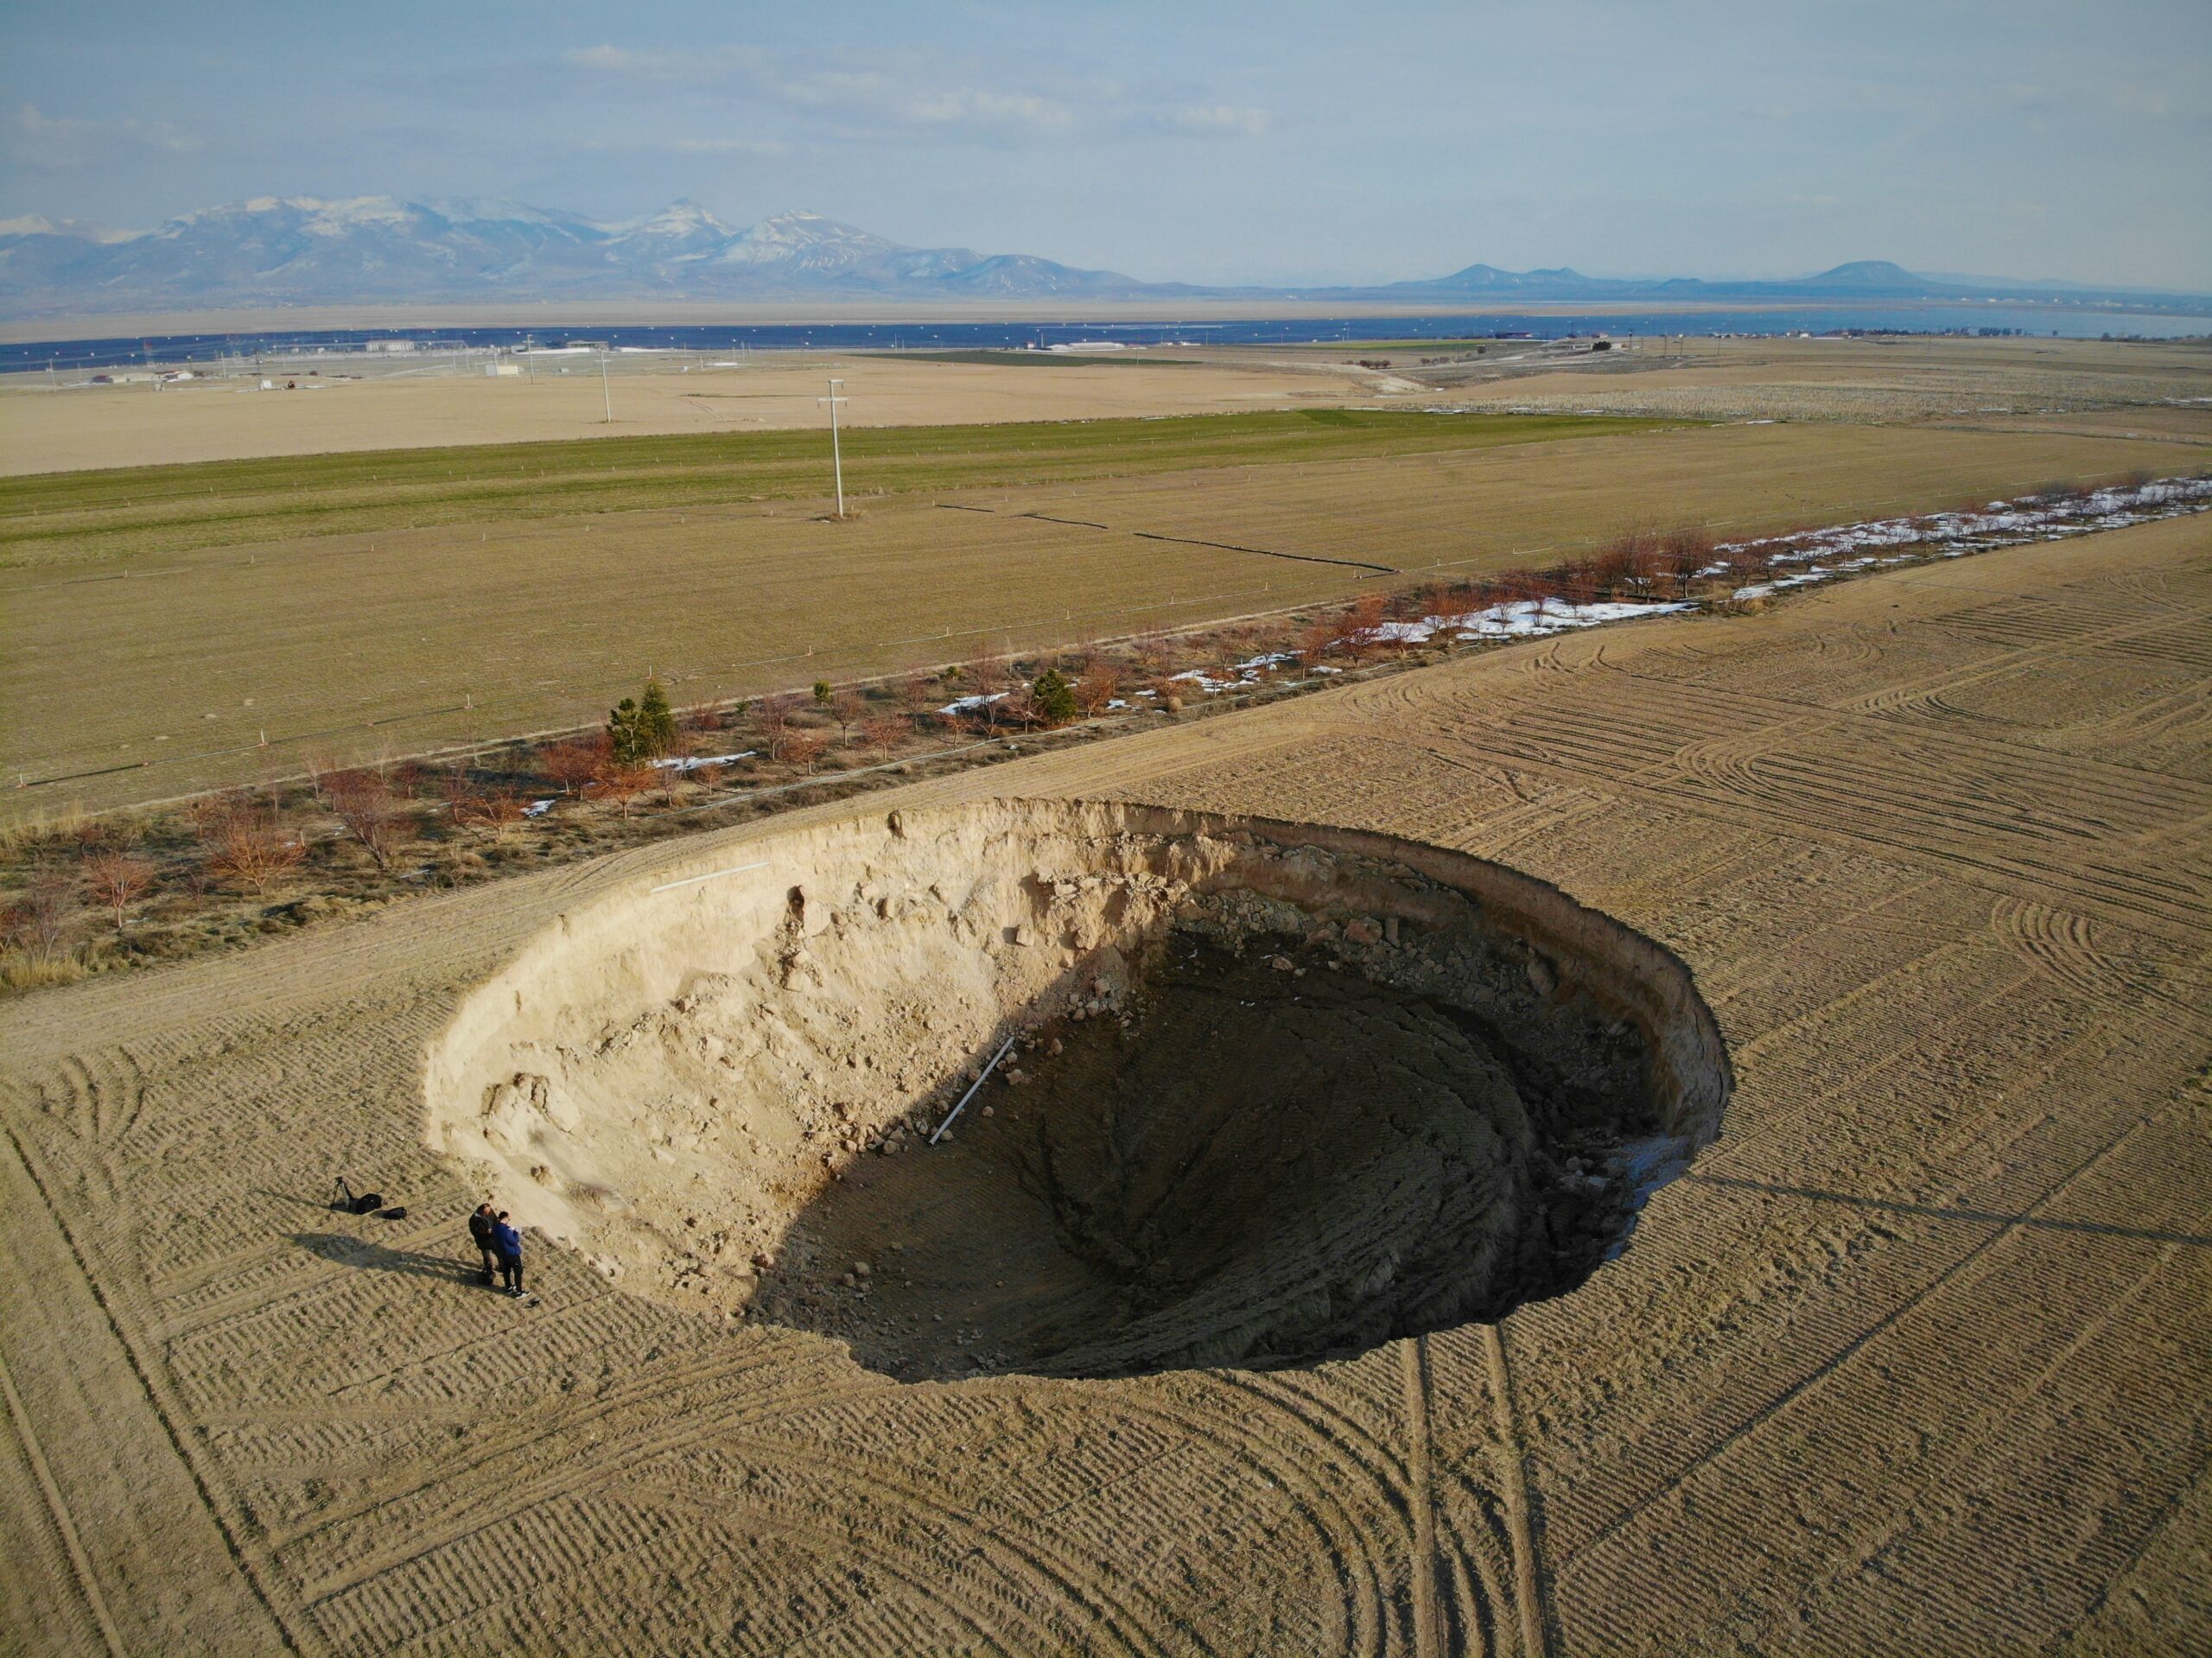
x=1911, y=1359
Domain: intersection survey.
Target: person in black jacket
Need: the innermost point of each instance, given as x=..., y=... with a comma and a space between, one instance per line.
x=480, y=1232
x=508, y=1243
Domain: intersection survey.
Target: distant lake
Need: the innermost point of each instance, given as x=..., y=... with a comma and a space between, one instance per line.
x=1542, y=322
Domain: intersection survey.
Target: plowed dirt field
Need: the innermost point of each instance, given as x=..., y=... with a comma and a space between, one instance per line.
x=1912, y=1358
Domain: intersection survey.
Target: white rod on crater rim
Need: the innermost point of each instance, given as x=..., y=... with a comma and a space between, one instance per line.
x=972, y=1087
x=693, y=881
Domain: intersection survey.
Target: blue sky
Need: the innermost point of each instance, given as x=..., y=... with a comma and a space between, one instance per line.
x=1215, y=142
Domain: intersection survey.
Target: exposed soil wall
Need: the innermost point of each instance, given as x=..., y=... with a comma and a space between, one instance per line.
x=1276, y=1091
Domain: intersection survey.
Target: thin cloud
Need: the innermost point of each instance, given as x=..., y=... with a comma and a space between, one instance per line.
x=684, y=146
x=896, y=101
x=1228, y=120
x=37, y=139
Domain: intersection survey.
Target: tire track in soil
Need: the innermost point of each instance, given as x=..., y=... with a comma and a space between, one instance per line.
x=1049, y=1568
x=1343, y=1538
x=1335, y=1433
x=1995, y=1417
x=1826, y=1371
x=1821, y=806
x=253, y=1567
x=648, y=1386
x=1420, y=1496
x=1482, y=1600
x=927, y=1580
x=65, y=1524
x=1513, y=1468
x=2061, y=943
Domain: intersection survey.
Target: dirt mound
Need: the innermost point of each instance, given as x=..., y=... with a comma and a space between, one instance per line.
x=1272, y=1092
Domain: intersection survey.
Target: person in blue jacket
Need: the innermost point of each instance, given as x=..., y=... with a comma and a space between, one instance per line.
x=507, y=1243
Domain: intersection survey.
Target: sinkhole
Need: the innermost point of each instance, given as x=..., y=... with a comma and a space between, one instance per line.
x=1263, y=1093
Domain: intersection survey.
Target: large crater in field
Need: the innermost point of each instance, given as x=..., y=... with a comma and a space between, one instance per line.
x=1276, y=1092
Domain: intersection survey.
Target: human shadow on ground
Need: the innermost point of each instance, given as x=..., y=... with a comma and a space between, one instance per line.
x=367, y=1256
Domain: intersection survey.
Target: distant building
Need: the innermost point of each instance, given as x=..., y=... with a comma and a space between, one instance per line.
x=390, y=345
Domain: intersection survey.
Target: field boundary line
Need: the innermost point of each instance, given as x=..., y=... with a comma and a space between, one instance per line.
x=1269, y=552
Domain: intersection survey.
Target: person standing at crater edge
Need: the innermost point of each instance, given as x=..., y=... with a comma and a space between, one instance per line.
x=480, y=1232
x=507, y=1242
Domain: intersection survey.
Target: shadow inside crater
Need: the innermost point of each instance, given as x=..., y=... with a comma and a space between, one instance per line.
x=1272, y=1159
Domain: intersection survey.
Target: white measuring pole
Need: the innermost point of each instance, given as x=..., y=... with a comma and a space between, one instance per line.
x=836, y=454
x=716, y=874
x=604, y=390
x=972, y=1087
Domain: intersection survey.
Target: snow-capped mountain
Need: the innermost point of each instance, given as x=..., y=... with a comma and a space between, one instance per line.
x=304, y=250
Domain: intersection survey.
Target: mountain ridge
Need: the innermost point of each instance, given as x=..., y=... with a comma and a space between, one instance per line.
x=295, y=250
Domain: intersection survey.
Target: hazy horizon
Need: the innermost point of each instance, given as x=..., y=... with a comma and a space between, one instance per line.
x=1247, y=144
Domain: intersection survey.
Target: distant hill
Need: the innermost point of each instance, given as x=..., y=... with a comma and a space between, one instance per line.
x=299, y=250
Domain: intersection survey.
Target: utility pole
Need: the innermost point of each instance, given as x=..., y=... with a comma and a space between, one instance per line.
x=836, y=454
x=603, y=390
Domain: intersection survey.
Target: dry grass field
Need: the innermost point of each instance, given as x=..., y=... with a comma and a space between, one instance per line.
x=1910, y=1360
x=1876, y=380
x=212, y=607
x=71, y=429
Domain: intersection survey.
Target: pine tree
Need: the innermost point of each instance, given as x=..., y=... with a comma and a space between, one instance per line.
x=625, y=733
x=641, y=731
x=1054, y=696
x=655, y=720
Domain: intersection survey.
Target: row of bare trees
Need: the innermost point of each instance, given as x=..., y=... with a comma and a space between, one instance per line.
x=252, y=843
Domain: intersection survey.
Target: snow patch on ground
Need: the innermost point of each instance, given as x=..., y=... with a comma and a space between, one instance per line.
x=695, y=762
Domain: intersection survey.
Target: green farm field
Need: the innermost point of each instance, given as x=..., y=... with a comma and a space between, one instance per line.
x=67, y=516
x=175, y=630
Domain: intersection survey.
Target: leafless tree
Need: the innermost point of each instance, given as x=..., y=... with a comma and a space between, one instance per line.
x=117, y=880
x=255, y=849
x=495, y=811
x=1322, y=635
x=623, y=783
x=572, y=765
x=776, y=712
x=1363, y=628
x=804, y=748
x=883, y=731
x=920, y=691
x=39, y=921
x=370, y=814
x=1683, y=554
x=1097, y=687
x=316, y=766
x=848, y=709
